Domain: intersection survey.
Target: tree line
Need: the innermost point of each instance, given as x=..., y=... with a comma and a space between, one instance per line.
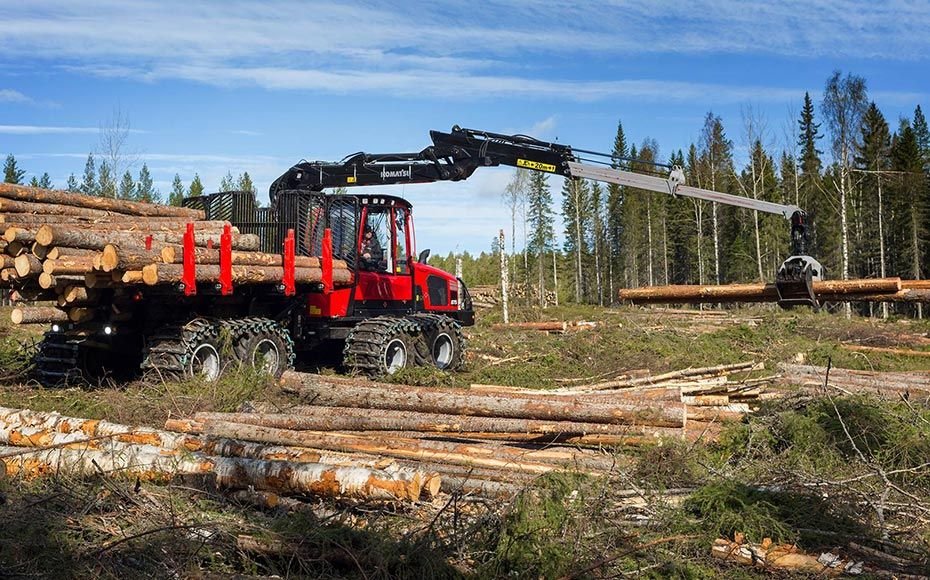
x=868, y=203
x=98, y=179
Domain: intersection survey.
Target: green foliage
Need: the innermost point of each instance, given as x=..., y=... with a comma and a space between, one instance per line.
x=227, y=183
x=196, y=187
x=72, y=185
x=127, y=186
x=45, y=181
x=145, y=187
x=177, y=191
x=244, y=183
x=89, y=184
x=11, y=172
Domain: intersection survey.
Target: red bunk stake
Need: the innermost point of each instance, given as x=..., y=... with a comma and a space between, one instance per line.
x=148, y=242
x=289, y=250
x=226, y=285
x=189, y=277
x=326, y=261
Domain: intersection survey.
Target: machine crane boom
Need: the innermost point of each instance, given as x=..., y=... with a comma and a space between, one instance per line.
x=454, y=156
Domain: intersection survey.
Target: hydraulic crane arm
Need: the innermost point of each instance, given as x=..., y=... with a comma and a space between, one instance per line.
x=456, y=155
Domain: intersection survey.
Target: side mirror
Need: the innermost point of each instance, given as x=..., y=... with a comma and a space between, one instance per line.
x=424, y=256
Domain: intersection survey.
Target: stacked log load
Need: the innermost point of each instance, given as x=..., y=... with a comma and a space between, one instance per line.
x=65, y=247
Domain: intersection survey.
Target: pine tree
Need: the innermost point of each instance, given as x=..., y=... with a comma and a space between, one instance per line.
x=244, y=183
x=576, y=214
x=922, y=134
x=89, y=184
x=196, y=188
x=177, y=191
x=12, y=173
x=45, y=182
x=73, y=186
x=227, y=183
x=145, y=187
x=106, y=186
x=615, y=209
x=541, y=223
x=127, y=186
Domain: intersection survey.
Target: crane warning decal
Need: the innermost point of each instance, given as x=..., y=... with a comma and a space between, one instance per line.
x=535, y=165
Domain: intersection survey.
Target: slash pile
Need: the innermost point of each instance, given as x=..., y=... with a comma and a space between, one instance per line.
x=66, y=247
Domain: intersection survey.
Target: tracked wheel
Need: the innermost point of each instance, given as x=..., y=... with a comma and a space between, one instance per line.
x=441, y=340
x=262, y=344
x=381, y=346
x=194, y=349
x=57, y=361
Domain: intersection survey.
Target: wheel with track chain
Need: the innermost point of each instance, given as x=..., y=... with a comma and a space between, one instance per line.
x=194, y=349
x=442, y=342
x=57, y=360
x=262, y=344
x=381, y=346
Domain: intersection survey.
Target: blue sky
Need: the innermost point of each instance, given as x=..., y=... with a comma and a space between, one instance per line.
x=236, y=86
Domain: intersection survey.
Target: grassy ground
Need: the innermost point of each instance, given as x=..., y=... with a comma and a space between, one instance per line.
x=819, y=472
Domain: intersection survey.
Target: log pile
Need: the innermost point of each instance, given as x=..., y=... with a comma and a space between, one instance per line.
x=549, y=327
x=773, y=557
x=862, y=290
x=65, y=247
x=886, y=385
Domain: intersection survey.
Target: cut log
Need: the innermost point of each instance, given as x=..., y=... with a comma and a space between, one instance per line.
x=77, y=293
x=16, y=234
x=49, y=235
x=544, y=326
x=47, y=280
x=342, y=392
x=98, y=280
x=59, y=252
x=155, y=274
x=27, y=265
x=753, y=292
x=15, y=248
x=115, y=258
x=38, y=315
x=8, y=274
x=78, y=314
x=416, y=449
x=52, y=196
x=874, y=349
x=318, y=418
x=171, y=254
x=130, y=277
x=66, y=266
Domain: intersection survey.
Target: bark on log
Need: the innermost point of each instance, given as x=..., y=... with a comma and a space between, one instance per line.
x=58, y=252
x=18, y=234
x=421, y=450
x=155, y=274
x=15, y=248
x=27, y=265
x=148, y=463
x=68, y=266
x=331, y=391
x=171, y=254
x=656, y=380
x=49, y=235
x=8, y=274
x=98, y=280
x=318, y=418
x=754, y=292
x=34, y=194
x=38, y=315
x=543, y=326
x=129, y=277
x=77, y=293
x=132, y=258
x=47, y=280
x=78, y=314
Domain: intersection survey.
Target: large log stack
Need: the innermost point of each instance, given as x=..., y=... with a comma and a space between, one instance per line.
x=64, y=247
x=861, y=290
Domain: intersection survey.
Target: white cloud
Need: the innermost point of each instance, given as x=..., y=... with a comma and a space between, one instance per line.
x=246, y=132
x=449, y=49
x=44, y=130
x=11, y=96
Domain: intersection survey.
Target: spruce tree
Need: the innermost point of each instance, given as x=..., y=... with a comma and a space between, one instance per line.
x=873, y=158
x=34, y=182
x=541, y=222
x=244, y=183
x=177, y=191
x=127, y=186
x=196, y=187
x=716, y=158
x=73, y=186
x=576, y=216
x=922, y=134
x=911, y=203
x=89, y=183
x=106, y=186
x=615, y=209
x=45, y=182
x=145, y=187
x=12, y=173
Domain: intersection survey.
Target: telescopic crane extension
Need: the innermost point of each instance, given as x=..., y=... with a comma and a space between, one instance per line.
x=454, y=156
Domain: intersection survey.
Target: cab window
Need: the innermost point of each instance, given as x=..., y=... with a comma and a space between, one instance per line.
x=401, y=255
x=375, y=238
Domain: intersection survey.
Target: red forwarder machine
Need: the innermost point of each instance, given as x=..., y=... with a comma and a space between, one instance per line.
x=398, y=311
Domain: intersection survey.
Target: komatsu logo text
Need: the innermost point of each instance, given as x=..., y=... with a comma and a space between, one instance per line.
x=536, y=165
x=385, y=174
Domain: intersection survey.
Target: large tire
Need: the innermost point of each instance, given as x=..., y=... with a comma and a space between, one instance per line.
x=192, y=350
x=443, y=345
x=381, y=346
x=262, y=344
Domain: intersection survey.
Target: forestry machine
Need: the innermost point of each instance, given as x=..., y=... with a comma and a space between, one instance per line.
x=391, y=310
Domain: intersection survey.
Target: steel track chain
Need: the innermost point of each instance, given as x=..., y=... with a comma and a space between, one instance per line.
x=57, y=358
x=434, y=323
x=367, y=341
